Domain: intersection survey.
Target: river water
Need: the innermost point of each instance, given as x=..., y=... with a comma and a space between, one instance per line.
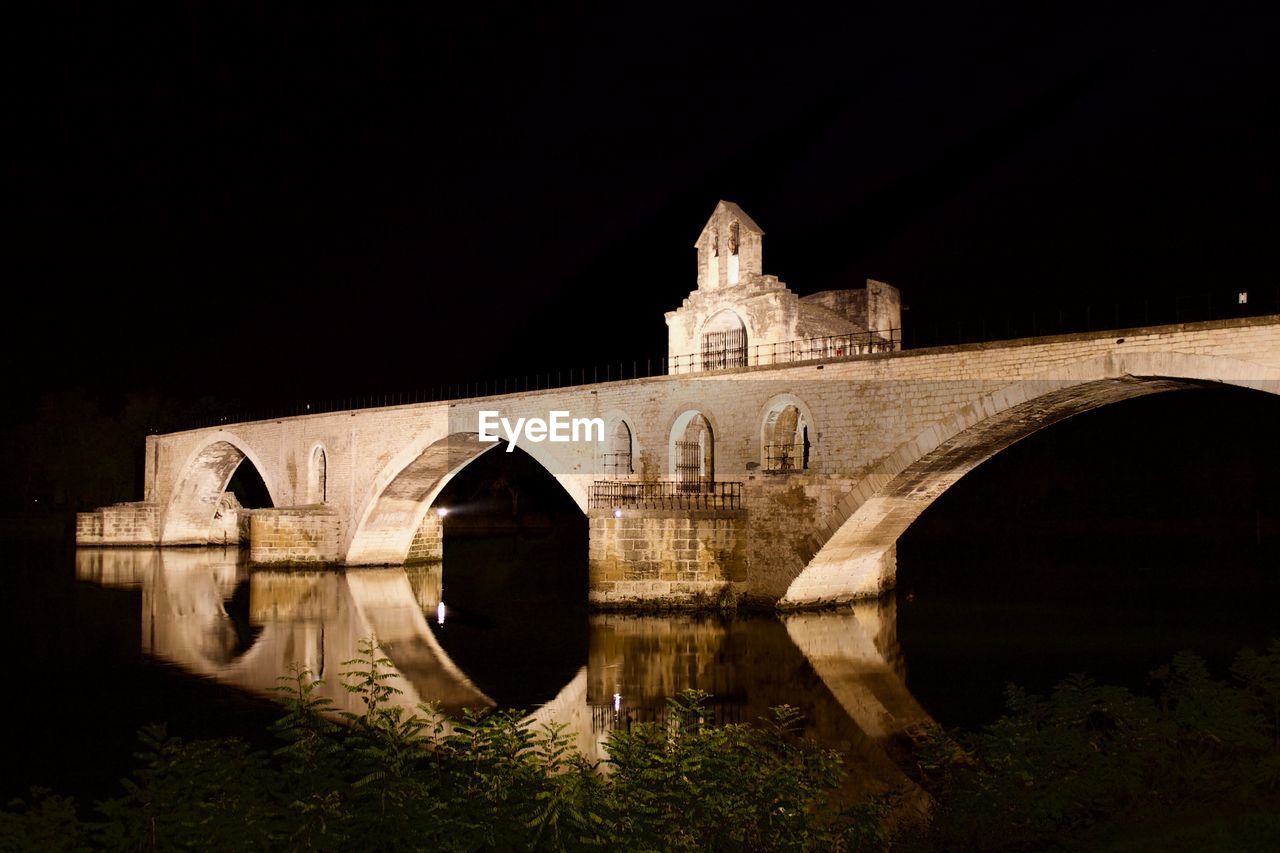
x=103, y=641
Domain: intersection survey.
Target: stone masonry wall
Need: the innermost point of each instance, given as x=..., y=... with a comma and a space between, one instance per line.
x=667, y=557
x=784, y=510
x=428, y=542
x=119, y=524
x=89, y=527
x=295, y=536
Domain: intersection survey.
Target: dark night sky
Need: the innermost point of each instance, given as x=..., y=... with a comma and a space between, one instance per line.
x=369, y=201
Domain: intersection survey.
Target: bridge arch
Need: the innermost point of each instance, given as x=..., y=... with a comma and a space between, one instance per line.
x=854, y=553
x=194, y=501
x=403, y=492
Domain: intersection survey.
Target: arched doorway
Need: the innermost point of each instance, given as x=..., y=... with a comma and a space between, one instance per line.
x=724, y=341
x=618, y=460
x=785, y=439
x=693, y=453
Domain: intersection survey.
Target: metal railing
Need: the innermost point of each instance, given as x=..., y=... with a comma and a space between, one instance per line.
x=786, y=352
x=666, y=494
x=784, y=458
x=831, y=346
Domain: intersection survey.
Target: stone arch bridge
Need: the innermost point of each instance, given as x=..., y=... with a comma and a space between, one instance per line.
x=786, y=483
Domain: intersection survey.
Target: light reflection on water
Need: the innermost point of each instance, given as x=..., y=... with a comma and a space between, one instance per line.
x=841, y=669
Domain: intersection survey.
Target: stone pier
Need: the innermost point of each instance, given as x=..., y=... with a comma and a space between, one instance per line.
x=292, y=536
x=136, y=523
x=676, y=557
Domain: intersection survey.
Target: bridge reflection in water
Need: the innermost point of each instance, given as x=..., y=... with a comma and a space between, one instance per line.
x=842, y=669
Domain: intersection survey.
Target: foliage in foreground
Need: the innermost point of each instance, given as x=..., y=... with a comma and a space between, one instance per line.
x=1086, y=767
x=396, y=780
x=1088, y=760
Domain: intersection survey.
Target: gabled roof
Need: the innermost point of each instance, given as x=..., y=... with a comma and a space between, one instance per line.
x=737, y=213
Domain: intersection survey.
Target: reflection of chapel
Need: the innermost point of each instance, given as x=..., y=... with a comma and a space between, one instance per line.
x=739, y=316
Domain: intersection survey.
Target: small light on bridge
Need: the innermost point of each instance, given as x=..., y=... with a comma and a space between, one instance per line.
x=442, y=511
x=1244, y=297
x=617, y=513
x=440, y=613
x=617, y=702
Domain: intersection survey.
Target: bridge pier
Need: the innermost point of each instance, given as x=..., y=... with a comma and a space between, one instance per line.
x=428, y=542
x=135, y=523
x=666, y=557
x=139, y=523
x=295, y=535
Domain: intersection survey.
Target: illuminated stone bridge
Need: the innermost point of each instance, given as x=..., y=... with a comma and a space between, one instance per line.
x=786, y=483
x=780, y=462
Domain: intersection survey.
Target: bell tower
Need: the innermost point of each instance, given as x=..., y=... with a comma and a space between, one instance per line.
x=729, y=248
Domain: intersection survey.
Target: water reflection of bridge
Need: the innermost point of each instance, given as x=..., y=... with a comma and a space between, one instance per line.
x=841, y=669
x=623, y=715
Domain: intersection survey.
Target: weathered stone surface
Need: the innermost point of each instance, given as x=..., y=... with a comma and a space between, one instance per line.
x=428, y=543
x=134, y=523
x=666, y=557
x=295, y=536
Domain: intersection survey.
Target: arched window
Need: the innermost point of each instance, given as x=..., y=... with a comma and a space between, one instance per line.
x=693, y=453
x=733, y=253
x=319, y=486
x=786, y=440
x=724, y=341
x=617, y=461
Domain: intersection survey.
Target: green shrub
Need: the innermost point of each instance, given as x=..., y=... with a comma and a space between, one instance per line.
x=691, y=785
x=1052, y=767
x=1072, y=767
x=396, y=780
